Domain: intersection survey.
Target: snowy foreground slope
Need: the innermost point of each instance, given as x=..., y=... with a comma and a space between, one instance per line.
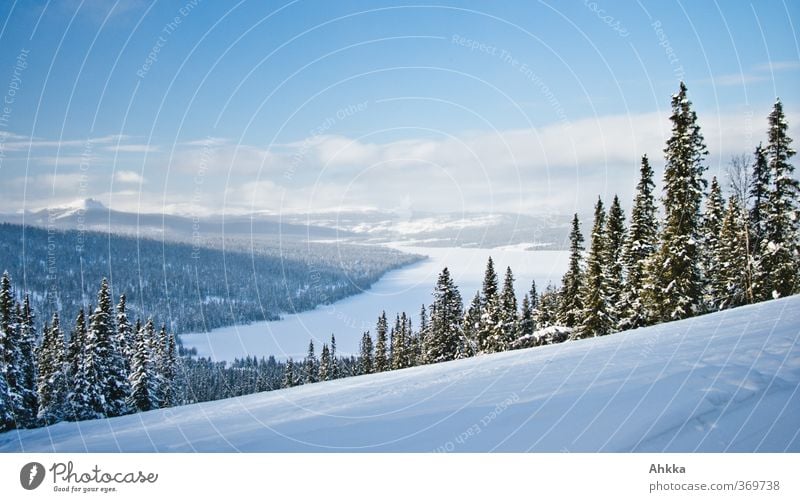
x=723, y=382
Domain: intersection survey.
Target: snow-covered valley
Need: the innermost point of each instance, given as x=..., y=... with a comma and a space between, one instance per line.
x=405, y=289
x=728, y=381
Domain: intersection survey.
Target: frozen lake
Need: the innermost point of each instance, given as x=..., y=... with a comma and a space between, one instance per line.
x=405, y=289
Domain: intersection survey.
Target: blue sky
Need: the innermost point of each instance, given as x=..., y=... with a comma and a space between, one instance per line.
x=518, y=106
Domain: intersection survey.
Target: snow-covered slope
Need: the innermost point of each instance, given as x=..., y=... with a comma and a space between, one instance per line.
x=723, y=382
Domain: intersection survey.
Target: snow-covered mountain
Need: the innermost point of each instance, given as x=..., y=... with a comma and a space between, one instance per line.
x=728, y=381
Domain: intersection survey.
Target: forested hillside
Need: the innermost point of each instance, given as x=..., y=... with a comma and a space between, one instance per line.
x=195, y=288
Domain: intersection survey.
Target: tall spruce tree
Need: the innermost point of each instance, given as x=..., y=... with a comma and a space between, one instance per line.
x=710, y=232
x=27, y=338
x=676, y=289
x=613, y=263
x=52, y=378
x=446, y=329
x=366, y=360
x=526, y=325
x=12, y=357
x=779, y=253
x=335, y=370
x=6, y=412
x=640, y=245
x=508, y=310
x=105, y=361
x=382, y=362
x=310, y=365
x=491, y=335
x=143, y=377
x=167, y=365
x=595, y=318
x=570, y=306
x=125, y=335
x=760, y=187
x=82, y=401
x=324, y=372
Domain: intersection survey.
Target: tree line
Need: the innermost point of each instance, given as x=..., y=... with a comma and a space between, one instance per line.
x=106, y=367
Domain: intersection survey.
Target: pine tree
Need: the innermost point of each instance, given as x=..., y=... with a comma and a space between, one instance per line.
x=422, y=335
x=167, y=366
x=105, y=364
x=143, y=380
x=335, y=370
x=288, y=379
x=381, y=345
x=82, y=401
x=640, y=245
x=472, y=321
x=491, y=335
x=613, y=263
x=310, y=365
x=52, y=379
x=760, y=188
x=26, y=417
x=125, y=335
x=710, y=232
x=526, y=325
x=11, y=353
x=6, y=412
x=400, y=348
x=595, y=318
x=446, y=330
x=367, y=357
x=508, y=310
x=729, y=285
x=570, y=307
x=324, y=364
x=779, y=253
x=676, y=291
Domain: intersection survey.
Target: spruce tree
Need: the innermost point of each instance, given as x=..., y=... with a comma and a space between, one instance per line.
x=105, y=363
x=324, y=372
x=508, y=310
x=640, y=244
x=526, y=326
x=595, y=319
x=446, y=329
x=677, y=286
x=491, y=335
x=11, y=352
x=310, y=365
x=779, y=253
x=710, y=231
x=52, y=378
x=729, y=284
x=366, y=365
x=760, y=188
x=288, y=379
x=335, y=370
x=570, y=307
x=381, y=345
x=472, y=320
x=82, y=401
x=125, y=335
x=167, y=365
x=400, y=347
x=143, y=380
x=6, y=412
x=613, y=263
x=26, y=417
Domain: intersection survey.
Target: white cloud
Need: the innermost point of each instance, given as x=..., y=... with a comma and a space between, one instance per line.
x=128, y=177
